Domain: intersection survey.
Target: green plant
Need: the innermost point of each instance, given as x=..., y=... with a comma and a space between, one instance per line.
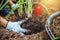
x=20, y=9
x=1, y=7
x=28, y=7
x=29, y=11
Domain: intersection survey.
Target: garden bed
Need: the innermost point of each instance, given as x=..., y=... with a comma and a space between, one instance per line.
x=35, y=24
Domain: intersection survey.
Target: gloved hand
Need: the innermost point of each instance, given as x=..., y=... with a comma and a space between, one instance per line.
x=15, y=26
x=14, y=6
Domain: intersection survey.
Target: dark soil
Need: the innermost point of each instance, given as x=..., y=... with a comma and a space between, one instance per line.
x=35, y=24
x=9, y=35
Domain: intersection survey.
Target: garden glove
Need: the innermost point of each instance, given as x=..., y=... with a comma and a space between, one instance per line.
x=16, y=27
x=14, y=6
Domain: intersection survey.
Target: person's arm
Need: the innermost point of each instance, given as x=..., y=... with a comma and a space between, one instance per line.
x=14, y=26
x=13, y=5
x=3, y=22
x=10, y=2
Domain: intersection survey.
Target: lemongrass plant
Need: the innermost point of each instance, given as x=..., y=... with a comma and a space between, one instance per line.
x=20, y=9
x=29, y=11
x=27, y=7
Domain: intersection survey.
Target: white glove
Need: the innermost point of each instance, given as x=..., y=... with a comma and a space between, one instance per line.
x=14, y=6
x=15, y=26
